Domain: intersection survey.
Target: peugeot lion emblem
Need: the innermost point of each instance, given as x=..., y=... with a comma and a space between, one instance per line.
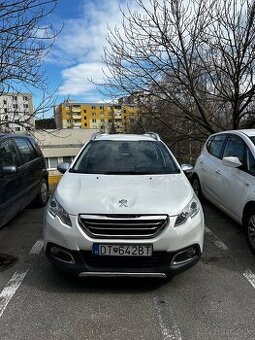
x=123, y=203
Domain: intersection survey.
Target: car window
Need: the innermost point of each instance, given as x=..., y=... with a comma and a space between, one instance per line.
x=235, y=147
x=250, y=162
x=8, y=154
x=125, y=157
x=36, y=147
x=215, y=145
x=26, y=150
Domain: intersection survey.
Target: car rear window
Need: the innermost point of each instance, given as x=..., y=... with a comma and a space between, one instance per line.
x=215, y=145
x=125, y=157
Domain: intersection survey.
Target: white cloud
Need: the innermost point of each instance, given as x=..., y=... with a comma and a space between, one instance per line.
x=79, y=47
x=77, y=79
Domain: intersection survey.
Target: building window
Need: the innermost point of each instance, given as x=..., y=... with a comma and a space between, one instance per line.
x=94, y=114
x=25, y=106
x=94, y=120
x=5, y=110
x=53, y=162
x=15, y=106
x=84, y=111
x=85, y=124
x=101, y=107
x=6, y=117
x=25, y=98
x=5, y=101
x=93, y=107
x=17, y=128
x=14, y=98
x=85, y=117
x=102, y=120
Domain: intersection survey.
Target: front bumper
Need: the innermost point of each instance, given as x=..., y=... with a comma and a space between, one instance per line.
x=160, y=264
x=175, y=249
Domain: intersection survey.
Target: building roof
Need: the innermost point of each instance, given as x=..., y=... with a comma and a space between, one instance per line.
x=62, y=142
x=84, y=103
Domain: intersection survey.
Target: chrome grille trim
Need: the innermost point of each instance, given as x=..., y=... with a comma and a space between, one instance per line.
x=121, y=226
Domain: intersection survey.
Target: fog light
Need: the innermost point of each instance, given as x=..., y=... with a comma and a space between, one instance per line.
x=62, y=255
x=184, y=256
x=191, y=252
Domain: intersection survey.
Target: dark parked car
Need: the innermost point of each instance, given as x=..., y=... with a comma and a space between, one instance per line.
x=23, y=175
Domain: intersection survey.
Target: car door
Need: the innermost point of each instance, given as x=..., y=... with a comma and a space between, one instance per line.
x=232, y=179
x=28, y=169
x=10, y=183
x=210, y=165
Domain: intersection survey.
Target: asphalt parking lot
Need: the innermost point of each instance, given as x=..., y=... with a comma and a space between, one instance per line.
x=213, y=300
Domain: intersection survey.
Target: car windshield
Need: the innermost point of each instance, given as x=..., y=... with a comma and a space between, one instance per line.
x=125, y=157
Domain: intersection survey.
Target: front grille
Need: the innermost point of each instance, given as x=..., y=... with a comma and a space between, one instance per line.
x=122, y=226
x=118, y=262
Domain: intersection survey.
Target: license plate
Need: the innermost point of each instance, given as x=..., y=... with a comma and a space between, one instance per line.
x=122, y=249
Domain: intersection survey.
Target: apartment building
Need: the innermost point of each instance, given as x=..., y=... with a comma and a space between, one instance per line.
x=16, y=112
x=104, y=117
x=73, y=115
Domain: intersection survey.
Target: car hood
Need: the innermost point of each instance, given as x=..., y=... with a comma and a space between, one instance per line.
x=124, y=194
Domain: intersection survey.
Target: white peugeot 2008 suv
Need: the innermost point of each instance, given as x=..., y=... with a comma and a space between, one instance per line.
x=124, y=208
x=225, y=174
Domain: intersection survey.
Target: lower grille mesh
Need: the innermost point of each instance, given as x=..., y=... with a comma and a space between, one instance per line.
x=123, y=262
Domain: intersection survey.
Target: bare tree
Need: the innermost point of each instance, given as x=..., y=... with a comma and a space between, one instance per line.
x=25, y=40
x=195, y=59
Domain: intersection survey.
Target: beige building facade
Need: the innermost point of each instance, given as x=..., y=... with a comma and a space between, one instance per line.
x=60, y=146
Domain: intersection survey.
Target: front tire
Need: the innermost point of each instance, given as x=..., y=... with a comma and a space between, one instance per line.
x=249, y=224
x=42, y=196
x=197, y=187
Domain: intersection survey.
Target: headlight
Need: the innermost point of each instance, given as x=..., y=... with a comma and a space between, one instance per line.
x=57, y=210
x=189, y=211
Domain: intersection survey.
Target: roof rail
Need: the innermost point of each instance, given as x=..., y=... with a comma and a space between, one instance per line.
x=97, y=134
x=153, y=135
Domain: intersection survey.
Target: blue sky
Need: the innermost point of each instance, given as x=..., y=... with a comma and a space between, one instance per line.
x=77, y=53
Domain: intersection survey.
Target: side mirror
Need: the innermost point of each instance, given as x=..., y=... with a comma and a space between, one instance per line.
x=187, y=168
x=63, y=167
x=10, y=169
x=232, y=162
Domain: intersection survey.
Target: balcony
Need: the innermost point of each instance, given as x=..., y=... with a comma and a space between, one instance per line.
x=75, y=116
x=76, y=109
x=76, y=124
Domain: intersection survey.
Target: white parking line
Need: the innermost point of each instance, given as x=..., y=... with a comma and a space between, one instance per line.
x=10, y=289
x=216, y=241
x=169, y=330
x=248, y=274
x=37, y=247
